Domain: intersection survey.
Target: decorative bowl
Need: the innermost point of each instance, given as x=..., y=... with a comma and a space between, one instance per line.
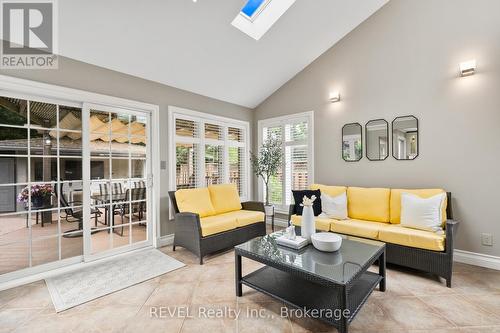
x=326, y=241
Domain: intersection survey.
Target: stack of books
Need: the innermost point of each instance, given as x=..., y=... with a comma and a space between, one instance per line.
x=297, y=243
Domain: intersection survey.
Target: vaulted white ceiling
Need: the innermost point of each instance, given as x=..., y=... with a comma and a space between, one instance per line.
x=193, y=46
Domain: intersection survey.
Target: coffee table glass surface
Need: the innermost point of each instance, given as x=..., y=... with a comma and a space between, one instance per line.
x=339, y=267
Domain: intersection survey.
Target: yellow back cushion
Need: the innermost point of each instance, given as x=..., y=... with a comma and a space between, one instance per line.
x=195, y=200
x=423, y=193
x=370, y=204
x=225, y=198
x=332, y=191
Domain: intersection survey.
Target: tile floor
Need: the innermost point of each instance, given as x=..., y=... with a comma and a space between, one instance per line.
x=413, y=302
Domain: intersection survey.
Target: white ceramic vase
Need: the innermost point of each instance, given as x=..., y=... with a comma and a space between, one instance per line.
x=307, y=227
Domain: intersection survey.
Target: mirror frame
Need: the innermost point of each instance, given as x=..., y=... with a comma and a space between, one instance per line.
x=366, y=139
x=418, y=138
x=342, y=142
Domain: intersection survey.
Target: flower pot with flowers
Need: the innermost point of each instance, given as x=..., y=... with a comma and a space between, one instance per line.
x=39, y=194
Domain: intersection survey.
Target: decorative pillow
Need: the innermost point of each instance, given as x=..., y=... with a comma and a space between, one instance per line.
x=420, y=213
x=299, y=195
x=334, y=207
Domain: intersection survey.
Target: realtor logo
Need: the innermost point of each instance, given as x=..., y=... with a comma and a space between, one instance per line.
x=28, y=34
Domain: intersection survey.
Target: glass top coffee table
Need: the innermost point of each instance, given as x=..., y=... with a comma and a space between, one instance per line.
x=327, y=286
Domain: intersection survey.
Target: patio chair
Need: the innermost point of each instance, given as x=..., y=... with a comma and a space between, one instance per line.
x=74, y=215
x=133, y=194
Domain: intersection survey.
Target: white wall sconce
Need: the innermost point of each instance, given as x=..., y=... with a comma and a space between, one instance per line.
x=334, y=97
x=467, y=67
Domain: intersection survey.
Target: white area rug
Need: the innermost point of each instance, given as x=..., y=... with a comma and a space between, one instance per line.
x=86, y=284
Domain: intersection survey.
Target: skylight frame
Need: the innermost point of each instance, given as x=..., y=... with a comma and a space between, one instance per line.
x=263, y=19
x=257, y=12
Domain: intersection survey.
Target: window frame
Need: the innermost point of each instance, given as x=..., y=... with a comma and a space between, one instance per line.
x=201, y=119
x=282, y=121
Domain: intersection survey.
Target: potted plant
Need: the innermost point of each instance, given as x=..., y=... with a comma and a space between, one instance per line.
x=39, y=194
x=266, y=164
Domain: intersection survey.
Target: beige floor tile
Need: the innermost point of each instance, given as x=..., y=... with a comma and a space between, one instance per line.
x=145, y=322
x=220, y=271
x=36, y=295
x=476, y=283
x=488, y=302
x=214, y=291
x=412, y=313
x=483, y=329
x=189, y=273
x=10, y=319
x=461, y=312
x=214, y=317
x=172, y=293
x=262, y=317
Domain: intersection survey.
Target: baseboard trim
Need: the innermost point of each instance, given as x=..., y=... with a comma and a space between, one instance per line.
x=166, y=240
x=477, y=259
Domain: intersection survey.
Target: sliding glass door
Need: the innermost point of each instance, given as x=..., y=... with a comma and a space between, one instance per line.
x=75, y=183
x=118, y=167
x=40, y=181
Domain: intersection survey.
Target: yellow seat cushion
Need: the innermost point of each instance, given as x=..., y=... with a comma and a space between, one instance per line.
x=360, y=228
x=246, y=217
x=195, y=200
x=321, y=224
x=371, y=204
x=211, y=225
x=332, y=191
x=423, y=193
x=412, y=237
x=225, y=198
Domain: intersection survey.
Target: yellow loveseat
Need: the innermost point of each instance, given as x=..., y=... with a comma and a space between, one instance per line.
x=213, y=218
x=375, y=213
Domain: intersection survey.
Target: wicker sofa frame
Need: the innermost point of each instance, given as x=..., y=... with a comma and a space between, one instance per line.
x=435, y=262
x=188, y=231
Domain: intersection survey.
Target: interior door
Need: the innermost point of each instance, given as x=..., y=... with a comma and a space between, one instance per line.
x=118, y=182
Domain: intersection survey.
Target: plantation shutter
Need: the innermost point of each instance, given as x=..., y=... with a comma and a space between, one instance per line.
x=187, y=153
x=236, y=158
x=296, y=158
x=210, y=151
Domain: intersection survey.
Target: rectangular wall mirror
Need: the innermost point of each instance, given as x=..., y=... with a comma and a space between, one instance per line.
x=352, y=142
x=405, y=138
x=377, y=139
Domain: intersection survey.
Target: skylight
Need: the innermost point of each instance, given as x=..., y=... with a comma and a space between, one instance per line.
x=258, y=16
x=252, y=7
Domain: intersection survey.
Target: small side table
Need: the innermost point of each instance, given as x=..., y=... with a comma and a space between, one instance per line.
x=269, y=211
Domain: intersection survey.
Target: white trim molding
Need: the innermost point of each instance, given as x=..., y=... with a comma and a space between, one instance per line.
x=477, y=259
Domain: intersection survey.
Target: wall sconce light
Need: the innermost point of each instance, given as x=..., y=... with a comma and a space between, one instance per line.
x=467, y=67
x=334, y=97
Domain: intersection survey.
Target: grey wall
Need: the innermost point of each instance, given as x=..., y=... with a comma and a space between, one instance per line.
x=79, y=75
x=404, y=60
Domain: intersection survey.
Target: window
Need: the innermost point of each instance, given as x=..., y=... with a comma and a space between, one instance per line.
x=296, y=132
x=258, y=16
x=208, y=150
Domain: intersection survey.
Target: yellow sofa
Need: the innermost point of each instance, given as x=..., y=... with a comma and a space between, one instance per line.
x=214, y=218
x=375, y=213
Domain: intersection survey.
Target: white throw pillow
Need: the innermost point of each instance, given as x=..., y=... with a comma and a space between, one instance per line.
x=420, y=213
x=334, y=207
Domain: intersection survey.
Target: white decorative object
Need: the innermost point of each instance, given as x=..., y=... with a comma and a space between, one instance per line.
x=296, y=244
x=269, y=209
x=334, y=207
x=326, y=241
x=290, y=232
x=420, y=213
x=308, y=226
x=99, y=279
